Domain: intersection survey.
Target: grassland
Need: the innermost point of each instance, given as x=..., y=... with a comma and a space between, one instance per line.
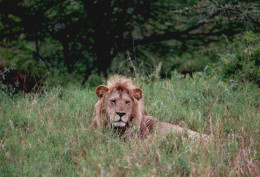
x=49, y=134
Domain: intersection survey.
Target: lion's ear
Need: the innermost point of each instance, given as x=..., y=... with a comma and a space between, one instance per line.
x=101, y=90
x=137, y=93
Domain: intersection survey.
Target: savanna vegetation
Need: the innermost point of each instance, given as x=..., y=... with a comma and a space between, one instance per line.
x=197, y=62
x=50, y=135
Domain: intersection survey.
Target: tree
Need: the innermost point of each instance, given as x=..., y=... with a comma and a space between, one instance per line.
x=94, y=32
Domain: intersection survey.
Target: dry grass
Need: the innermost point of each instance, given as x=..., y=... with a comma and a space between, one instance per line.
x=49, y=134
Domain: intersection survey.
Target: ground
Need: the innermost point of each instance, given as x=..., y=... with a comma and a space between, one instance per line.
x=49, y=134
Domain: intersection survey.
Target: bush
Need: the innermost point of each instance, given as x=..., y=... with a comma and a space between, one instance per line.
x=241, y=58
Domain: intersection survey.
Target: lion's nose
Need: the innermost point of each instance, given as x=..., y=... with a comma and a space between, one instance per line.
x=121, y=114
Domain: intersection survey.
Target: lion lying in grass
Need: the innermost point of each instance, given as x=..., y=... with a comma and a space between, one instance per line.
x=121, y=106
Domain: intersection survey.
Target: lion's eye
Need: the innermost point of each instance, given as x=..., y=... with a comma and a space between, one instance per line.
x=113, y=101
x=127, y=102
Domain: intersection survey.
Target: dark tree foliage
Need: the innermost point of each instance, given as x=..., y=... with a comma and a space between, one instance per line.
x=93, y=32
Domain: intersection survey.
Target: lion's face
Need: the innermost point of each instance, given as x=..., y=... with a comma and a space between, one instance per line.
x=119, y=107
x=119, y=104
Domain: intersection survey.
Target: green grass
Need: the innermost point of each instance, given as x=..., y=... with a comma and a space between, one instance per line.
x=50, y=134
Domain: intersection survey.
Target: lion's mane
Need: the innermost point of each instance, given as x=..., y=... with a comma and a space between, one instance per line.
x=143, y=122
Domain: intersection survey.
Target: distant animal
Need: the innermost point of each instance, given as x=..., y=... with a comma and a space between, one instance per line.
x=121, y=106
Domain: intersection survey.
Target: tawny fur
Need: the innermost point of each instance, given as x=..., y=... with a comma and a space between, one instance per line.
x=139, y=121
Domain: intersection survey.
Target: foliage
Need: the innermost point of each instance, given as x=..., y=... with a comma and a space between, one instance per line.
x=239, y=60
x=85, y=36
x=5, y=88
x=49, y=134
x=60, y=77
x=242, y=58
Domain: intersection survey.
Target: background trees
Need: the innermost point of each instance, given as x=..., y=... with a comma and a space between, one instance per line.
x=86, y=36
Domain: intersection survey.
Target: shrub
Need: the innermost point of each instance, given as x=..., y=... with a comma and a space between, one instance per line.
x=241, y=58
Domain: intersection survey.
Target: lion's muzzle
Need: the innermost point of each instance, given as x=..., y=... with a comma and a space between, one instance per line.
x=120, y=119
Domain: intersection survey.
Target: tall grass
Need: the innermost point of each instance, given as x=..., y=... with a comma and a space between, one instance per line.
x=50, y=135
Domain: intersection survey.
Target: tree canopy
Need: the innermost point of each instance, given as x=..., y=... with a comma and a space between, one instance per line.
x=87, y=35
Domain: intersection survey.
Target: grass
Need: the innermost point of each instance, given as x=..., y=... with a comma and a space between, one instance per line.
x=50, y=135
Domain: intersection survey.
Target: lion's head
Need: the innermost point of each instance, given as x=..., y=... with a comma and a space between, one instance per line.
x=120, y=104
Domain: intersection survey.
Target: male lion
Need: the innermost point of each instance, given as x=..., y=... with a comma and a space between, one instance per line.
x=121, y=106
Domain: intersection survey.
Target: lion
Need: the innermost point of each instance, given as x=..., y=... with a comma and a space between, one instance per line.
x=120, y=105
